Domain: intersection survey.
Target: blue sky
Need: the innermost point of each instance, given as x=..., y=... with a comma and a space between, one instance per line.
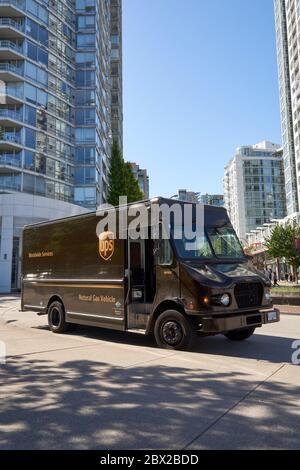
x=200, y=79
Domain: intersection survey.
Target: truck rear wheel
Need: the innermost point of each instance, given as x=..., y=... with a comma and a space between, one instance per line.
x=172, y=330
x=56, y=318
x=240, y=335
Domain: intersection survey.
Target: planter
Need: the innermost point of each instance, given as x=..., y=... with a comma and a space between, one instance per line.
x=286, y=298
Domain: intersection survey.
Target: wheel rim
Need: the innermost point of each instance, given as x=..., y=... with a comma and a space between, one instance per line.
x=55, y=317
x=172, y=333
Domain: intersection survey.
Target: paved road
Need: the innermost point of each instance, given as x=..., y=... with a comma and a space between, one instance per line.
x=99, y=389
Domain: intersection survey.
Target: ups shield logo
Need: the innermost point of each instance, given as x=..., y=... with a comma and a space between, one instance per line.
x=106, y=245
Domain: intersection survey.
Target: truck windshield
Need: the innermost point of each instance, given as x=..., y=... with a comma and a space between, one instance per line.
x=225, y=243
x=219, y=242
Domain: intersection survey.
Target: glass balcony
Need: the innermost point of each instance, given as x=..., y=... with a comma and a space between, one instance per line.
x=11, y=159
x=12, y=8
x=9, y=140
x=13, y=95
x=10, y=50
x=10, y=183
x=10, y=72
x=9, y=115
x=11, y=29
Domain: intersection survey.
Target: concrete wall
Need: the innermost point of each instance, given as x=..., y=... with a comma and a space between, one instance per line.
x=19, y=209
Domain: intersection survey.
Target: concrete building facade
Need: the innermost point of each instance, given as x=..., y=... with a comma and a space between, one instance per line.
x=56, y=103
x=17, y=210
x=212, y=199
x=188, y=196
x=287, y=18
x=254, y=189
x=142, y=177
x=116, y=71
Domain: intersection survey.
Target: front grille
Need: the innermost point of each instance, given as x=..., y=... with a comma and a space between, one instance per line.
x=248, y=294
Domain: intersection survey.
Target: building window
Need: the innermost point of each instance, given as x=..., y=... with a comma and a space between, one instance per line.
x=85, y=135
x=86, y=40
x=85, y=196
x=114, y=38
x=85, y=116
x=85, y=59
x=85, y=155
x=85, y=5
x=30, y=138
x=115, y=54
x=86, y=22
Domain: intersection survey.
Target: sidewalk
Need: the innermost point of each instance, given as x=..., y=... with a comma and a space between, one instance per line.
x=288, y=284
x=288, y=309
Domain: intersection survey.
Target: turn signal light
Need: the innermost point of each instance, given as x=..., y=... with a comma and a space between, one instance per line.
x=191, y=306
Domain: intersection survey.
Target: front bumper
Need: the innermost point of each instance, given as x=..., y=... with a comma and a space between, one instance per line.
x=224, y=323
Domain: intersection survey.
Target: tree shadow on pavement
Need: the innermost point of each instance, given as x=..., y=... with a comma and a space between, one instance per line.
x=275, y=349
x=87, y=404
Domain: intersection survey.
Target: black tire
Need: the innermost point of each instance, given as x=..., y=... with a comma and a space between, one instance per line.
x=240, y=335
x=172, y=330
x=56, y=318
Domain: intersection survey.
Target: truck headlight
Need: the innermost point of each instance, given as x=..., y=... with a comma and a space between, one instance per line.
x=225, y=300
x=268, y=296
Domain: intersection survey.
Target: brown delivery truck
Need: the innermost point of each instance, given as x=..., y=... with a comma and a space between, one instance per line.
x=147, y=285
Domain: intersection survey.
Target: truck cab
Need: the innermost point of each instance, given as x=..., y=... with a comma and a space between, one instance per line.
x=210, y=289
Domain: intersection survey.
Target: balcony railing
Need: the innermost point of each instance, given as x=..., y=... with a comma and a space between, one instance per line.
x=17, y=3
x=61, y=134
x=6, y=44
x=12, y=23
x=15, y=138
x=8, y=113
x=10, y=160
x=7, y=67
x=8, y=186
x=15, y=92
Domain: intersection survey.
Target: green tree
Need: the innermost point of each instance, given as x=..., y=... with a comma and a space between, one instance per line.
x=133, y=190
x=121, y=179
x=116, y=176
x=281, y=244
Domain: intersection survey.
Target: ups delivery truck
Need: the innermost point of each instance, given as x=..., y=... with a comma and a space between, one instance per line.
x=147, y=285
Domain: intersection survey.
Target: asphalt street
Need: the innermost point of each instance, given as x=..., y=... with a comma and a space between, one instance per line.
x=100, y=389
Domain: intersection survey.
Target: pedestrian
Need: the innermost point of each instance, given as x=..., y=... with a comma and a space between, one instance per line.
x=286, y=277
x=270, y=274
x=275, y=280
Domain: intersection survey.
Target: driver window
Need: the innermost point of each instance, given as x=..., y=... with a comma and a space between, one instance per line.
x=165, y=256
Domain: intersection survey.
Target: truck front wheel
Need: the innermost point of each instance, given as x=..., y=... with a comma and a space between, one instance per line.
x=172, y=330
x=240, y=335
x=56, y=318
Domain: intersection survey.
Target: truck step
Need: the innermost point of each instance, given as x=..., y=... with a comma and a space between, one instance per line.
x=136, y=330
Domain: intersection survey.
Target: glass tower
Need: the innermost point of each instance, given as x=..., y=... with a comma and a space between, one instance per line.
x=254, y=189
x=116, y=71
x=287, y=17
x=55, y=98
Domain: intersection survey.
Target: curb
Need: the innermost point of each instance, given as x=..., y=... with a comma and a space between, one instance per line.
x=288, y=309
